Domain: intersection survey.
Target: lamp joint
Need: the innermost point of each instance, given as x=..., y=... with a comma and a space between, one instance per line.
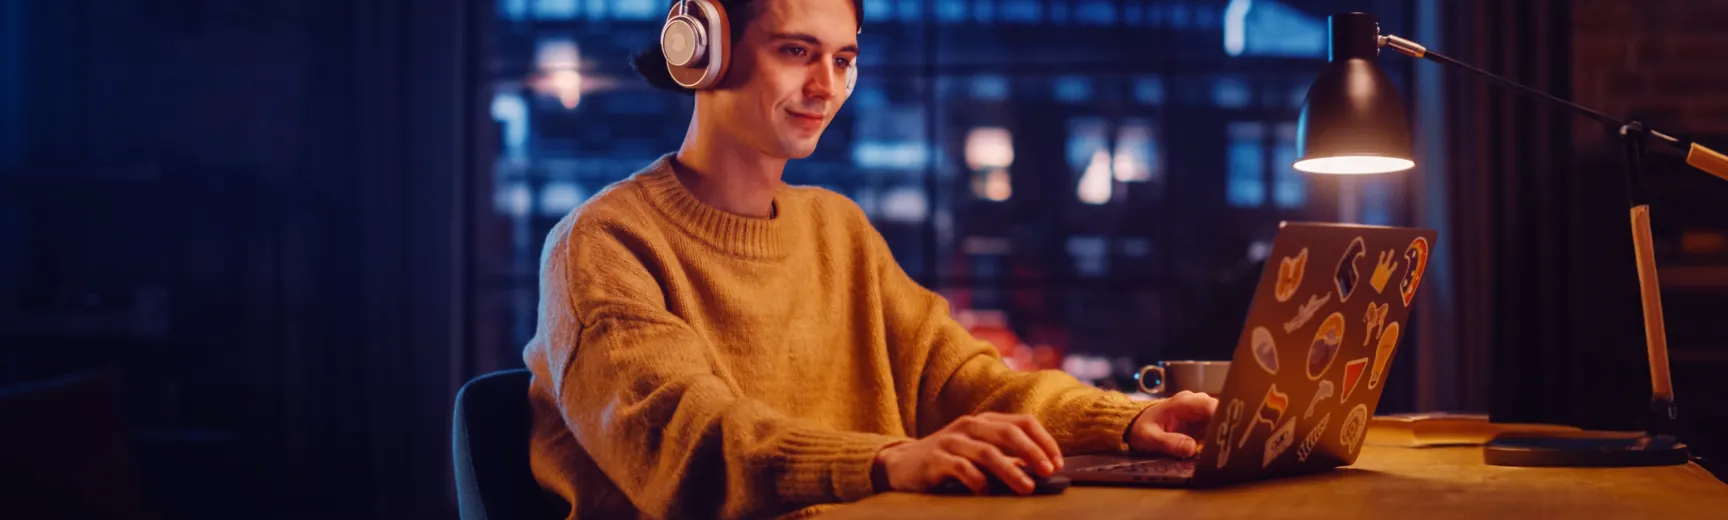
x=1407, y=47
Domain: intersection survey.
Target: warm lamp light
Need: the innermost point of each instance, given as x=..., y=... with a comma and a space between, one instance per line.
x=1353, y=123
x=1354, y=164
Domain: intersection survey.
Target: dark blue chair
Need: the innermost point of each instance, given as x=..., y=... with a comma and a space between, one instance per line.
x=490, y=440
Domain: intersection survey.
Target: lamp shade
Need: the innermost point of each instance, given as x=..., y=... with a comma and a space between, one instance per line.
x=1353, y=119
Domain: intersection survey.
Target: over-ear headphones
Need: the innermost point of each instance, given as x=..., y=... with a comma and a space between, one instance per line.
x=851, y=77
x=697, y=42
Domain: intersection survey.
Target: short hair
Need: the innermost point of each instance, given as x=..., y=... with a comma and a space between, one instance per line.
x=650, y=63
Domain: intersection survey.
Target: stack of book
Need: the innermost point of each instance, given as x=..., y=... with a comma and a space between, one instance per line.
x=1418, y=430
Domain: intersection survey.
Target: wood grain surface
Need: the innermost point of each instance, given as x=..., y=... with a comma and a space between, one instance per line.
x=1386, y=482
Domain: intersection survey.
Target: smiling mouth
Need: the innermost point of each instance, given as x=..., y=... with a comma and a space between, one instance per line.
x=805, y=117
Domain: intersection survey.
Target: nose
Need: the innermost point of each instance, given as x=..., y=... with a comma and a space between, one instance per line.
x=822, y=82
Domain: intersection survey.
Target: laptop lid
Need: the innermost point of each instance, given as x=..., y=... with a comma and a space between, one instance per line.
x=1314, y=354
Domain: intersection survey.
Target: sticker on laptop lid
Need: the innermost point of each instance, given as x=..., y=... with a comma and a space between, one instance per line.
x=1290, y=271
x=1347, y=278
x=1328, y=340
x=1352, y=376
x=1325, y=391
x=1312, y=439
x=1416, y=258
x=1383, y=270
x=1306, y=312
x=1354, y=428
x=1232, y=418
x=1265, y=351
x=1375, y=318
x=1271, y=411
x=1383, y=353
x=1279, y=442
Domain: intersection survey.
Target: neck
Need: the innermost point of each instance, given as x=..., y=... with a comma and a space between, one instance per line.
x=727, y=174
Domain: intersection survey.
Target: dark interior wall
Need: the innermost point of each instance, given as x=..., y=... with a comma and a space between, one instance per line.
x=256, y=210
x=1660, y=61
x=1549, y=308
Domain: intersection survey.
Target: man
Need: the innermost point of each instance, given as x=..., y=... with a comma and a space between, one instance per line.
x=715, y=343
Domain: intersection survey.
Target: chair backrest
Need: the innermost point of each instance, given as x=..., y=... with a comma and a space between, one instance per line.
x=490, y=442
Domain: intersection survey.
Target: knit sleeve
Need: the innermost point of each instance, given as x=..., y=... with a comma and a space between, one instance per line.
x=959, y=374
x=638, y=389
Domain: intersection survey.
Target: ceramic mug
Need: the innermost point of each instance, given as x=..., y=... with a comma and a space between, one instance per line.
x=1175, y=376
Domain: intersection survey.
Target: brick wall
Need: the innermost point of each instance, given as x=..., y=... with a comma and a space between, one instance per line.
x=1665, y=61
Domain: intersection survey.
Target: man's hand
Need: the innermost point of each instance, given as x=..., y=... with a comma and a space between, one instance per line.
x=1170, y=426
x=1000, y=444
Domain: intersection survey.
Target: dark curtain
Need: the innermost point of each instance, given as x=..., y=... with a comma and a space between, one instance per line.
x=1548, y=319
x=400, y=122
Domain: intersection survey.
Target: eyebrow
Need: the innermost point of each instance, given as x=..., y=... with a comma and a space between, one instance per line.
x=806, y=38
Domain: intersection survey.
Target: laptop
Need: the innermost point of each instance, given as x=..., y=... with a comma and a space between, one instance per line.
x=1312, y=359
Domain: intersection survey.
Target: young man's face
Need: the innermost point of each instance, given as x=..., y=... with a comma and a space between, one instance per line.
x=788, y=77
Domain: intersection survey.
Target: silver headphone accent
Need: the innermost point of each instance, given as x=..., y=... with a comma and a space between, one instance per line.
x=684, y=40
x=851, y=77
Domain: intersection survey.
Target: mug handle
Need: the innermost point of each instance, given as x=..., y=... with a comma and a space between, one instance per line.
x=1140, y=379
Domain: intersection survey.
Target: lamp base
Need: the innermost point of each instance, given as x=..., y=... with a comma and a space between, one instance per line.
x=1586, y=450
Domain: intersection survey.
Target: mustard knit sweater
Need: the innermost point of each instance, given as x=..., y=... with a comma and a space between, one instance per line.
x=692, y=363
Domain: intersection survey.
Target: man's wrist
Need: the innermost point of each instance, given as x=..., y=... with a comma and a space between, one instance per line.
x=1128, y=433
x=879, y=470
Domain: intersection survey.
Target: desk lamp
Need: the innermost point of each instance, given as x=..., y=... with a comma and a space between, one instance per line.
x=1353, y=122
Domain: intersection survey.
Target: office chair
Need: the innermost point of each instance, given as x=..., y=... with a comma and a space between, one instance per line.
x=490, y=442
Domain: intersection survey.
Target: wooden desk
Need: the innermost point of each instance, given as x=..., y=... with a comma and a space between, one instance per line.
x=1384, y=483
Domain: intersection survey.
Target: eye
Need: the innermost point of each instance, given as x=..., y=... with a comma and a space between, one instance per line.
x=842, y=63
x=794, y=51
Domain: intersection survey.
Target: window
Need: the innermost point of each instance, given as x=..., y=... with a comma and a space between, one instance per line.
x=1231, y=92
x=1136, y=158
x=1022, y=11
x=1247, y=184
x=1096, y=12
x=1270, y=28
x=555, y=9
x=637, y=9
x=1290, y=187
x=1040, y=171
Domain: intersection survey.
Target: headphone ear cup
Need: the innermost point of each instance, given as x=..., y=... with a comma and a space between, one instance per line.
x=710, y=57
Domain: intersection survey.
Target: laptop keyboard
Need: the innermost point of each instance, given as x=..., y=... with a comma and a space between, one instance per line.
x=1154, y=467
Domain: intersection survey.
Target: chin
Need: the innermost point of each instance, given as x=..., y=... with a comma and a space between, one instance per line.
x=798, y=149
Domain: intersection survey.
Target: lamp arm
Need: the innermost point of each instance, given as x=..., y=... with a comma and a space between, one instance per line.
x=1697, y=156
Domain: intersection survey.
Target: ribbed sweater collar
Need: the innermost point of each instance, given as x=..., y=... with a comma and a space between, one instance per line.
x=765, y=238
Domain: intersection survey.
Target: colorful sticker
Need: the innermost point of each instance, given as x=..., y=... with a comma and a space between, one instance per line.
x=1383, y=270
x=1416, y=256
x=1327, y=342
x=1312, y=439
x=1376, y=316
x=1306, y=312
x=1270, y=412
x=1265, y=352
x=1354, y=428
x=1232, y=417
x=1347, y=277
x=1383, y=353
x=1352, y=376
x=1279, y=442
x=1290, y=270
x=1325, y=391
